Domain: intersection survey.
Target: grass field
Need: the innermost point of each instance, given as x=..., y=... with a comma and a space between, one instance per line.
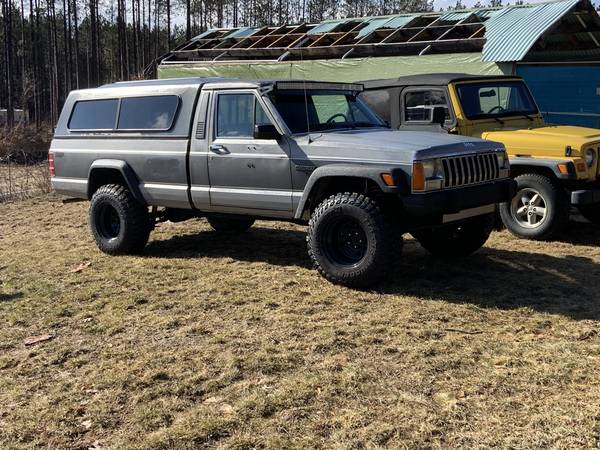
x=235, y=342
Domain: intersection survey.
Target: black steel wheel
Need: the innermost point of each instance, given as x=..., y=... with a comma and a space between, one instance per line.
x=350, y=241
x=120, y=225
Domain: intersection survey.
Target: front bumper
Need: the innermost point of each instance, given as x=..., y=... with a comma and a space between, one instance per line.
x=585, y=196
x=456, y=200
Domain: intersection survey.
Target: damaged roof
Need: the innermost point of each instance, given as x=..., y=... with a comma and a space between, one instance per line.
x=505, y=34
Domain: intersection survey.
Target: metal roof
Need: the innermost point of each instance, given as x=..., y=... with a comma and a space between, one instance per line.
x=512, y=33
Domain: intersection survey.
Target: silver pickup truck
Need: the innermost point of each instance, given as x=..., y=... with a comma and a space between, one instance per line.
x=309, y=152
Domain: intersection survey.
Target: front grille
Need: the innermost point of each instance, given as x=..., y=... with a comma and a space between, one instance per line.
x=470, y=169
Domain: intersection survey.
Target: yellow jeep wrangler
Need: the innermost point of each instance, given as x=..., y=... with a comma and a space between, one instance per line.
x=555, y=166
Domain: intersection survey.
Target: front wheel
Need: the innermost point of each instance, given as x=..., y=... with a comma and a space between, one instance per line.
x=120, y=225
x=457, y=239
x=350, y=242
x=591, y=212
x=539, y=210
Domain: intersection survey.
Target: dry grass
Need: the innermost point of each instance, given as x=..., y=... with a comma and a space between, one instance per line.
x=234, y=342
x=19, y=181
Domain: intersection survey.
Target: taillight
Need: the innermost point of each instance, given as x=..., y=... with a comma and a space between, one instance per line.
x=51, y=167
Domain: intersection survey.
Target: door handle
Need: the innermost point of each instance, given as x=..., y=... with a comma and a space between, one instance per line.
x=218, y=149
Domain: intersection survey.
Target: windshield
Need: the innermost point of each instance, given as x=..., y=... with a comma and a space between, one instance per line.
x=495, y=99
x=326, y=110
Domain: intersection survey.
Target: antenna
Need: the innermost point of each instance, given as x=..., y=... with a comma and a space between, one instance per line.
x=305, y=98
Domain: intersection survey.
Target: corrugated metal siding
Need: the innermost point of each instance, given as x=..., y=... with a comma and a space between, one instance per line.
x=385, y=22
x=455, y=16
x=568, y=94
x=325, y=27
x=513, y=31
x=242, y=32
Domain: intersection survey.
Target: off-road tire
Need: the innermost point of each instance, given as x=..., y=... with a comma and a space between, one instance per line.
x=224, y=223
x=591, y=212
x=373, y=234
x=556, y=203
x=457, y=240
x=114, y=203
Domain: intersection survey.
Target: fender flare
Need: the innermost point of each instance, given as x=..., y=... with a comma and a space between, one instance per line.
x=551, y=164
x=369, y=172
x=131, y=179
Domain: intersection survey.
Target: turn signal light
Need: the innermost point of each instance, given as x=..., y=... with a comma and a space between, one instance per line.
x=563, y=168
x=418, y=177
x=388, y=179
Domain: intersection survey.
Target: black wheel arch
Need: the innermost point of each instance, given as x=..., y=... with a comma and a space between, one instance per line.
x=114, y=171
x=328, y=180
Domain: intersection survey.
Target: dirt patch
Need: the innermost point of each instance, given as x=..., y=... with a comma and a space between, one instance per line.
x=233, y=341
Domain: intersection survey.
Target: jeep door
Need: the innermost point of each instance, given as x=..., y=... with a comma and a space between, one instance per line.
x=247, y=175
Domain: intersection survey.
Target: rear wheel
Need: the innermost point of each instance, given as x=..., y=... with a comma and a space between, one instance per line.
x=350, y=242
x=120, y=225
x=591, y=212
x=539, y=210
x=233, y=223
x=457, y=239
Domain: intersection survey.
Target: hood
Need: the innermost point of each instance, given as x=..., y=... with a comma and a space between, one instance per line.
x=383, y=145
x=552, y=139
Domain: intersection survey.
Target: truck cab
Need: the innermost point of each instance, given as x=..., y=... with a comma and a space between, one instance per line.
x=233, y=151
x=555, y=166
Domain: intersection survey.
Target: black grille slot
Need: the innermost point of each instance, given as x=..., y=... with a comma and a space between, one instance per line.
x=470, y=169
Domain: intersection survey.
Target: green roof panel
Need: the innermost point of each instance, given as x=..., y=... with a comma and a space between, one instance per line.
x=512, y=32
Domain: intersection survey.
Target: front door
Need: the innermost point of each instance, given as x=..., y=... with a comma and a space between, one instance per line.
x=247, y=175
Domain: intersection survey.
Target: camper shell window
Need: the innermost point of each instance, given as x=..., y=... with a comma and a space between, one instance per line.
x=94, y=115
x=149, y=113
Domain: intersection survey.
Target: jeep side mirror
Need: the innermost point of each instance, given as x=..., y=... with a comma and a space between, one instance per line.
x=267, y=131
x=438, y=115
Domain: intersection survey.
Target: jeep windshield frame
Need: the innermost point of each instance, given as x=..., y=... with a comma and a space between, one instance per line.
x=501, y=98
x=327, y=110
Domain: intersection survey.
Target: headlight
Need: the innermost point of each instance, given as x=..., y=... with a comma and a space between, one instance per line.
x=590, y=157
x=502, y=159
x=432, y=168
x=427, y=175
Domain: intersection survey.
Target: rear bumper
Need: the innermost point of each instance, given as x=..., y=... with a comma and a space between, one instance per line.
x=585, y=196
x=456, y=200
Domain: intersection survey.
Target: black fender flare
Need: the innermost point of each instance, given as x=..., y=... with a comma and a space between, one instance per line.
x=551, y=164
x=131, y=179
x=369, y=172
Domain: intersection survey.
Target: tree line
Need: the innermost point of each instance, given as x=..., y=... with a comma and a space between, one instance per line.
x=50, y=47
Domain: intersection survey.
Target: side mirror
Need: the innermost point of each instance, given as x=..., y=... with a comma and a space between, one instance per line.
x=266, y=132
x=438, y=115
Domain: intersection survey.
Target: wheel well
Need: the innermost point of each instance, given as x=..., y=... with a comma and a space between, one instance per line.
x=325, y=187
x=101, y=176
x=516, y=171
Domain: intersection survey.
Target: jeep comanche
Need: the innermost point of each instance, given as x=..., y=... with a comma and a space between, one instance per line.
x=555, y=166
x=309, y=152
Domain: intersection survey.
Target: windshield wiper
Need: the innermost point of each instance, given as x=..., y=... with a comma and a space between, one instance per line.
x=500, y=121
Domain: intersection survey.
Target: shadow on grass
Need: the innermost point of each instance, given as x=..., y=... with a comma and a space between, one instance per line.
x=9, y=297
x=491, y=278
x=277, y=247
x=582, y=233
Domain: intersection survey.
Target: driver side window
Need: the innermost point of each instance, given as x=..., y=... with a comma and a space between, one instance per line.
x=418, y=105
x=237, y=114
